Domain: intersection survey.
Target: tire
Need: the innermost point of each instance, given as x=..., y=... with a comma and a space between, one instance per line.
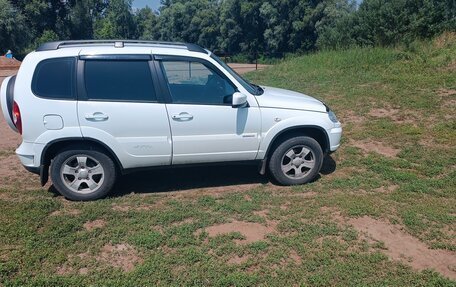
x=296, y=161
x=83, y=175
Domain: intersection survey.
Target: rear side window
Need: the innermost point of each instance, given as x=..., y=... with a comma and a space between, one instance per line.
x=55, y=79
x=119, y=80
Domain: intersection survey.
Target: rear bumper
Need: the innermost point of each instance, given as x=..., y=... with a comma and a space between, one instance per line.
x=35, y=170
x=30, y=155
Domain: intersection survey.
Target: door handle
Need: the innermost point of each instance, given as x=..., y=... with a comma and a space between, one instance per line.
x=98, y=116
x=183, y=117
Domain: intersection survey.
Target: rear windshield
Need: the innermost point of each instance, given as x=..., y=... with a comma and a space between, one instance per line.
x=55, y=79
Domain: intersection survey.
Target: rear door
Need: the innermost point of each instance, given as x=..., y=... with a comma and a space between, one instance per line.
x=120, y=106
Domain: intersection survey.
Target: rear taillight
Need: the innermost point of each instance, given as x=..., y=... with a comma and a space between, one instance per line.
x=17, y=120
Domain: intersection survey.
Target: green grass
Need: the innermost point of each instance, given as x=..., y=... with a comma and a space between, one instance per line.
x=41, y=233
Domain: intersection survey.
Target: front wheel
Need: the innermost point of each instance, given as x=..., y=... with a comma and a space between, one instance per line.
x=83, y=175
x=296, y=161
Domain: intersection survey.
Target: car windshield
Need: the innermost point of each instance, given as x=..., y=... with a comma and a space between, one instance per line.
x=251, y=88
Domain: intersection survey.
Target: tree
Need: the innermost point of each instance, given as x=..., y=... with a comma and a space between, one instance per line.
x=194, y=21
x=146, y=24
x=230, y=27
x=117, y=21
x=13, y=32
x=82, y=15
x=335, y=28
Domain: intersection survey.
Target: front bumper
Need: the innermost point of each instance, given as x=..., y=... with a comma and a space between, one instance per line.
x=335, y=135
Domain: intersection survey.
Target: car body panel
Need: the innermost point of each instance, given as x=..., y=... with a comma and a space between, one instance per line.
x=285, y=99
x=274, y=121
x=215, y=133
x=4, y=105
x=138, y=133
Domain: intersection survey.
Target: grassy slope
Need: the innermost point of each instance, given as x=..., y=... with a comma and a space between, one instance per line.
x=410, y=85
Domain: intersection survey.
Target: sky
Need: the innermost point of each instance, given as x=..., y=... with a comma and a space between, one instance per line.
x=154, y=4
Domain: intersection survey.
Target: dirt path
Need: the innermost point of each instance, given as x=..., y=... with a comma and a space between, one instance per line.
x=245, y=68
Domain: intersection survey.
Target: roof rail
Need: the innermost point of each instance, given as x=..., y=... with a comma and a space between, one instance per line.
x=117, y=43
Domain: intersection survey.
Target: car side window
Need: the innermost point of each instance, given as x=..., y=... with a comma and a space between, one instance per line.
x=192, y=82
x=119, y=80
x=55, y=79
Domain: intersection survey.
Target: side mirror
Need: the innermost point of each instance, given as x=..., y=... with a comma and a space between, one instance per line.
x=239, y=100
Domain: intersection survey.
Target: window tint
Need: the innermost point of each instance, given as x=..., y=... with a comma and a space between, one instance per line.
x=194, y=83
x=119, y=81
x=55, y=78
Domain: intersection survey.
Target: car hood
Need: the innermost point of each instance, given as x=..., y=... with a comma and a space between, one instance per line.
x=285, y=99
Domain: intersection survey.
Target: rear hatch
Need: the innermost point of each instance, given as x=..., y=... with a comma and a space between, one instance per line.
x=7, y=100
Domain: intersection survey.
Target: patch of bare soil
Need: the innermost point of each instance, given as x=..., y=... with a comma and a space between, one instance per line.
x=285, y=206
x=66, y=212
x=66, y=268
x=450, y=103
x=303, y=194
x=15, y=175
x=384, y=113
x=6, y=73
x=392, y=114
x=92, y=225
x=247, y=197
x=183, y=222
x=377, y=147
x=143, y=207
x=445, y=39
x=68, y=208
x=9, y=64
x=450, y=67
x=448, y=100
x=446, y=92
x=403, y=247
x=351, y=117
x=236, y=260
x=123, y=256
x=9, y=139
x=295, y=257
x=386, y=189
x=251, y=231
x=334, y=213
x=262, y=213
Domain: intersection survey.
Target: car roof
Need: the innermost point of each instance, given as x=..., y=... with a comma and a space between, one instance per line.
x=50, y=46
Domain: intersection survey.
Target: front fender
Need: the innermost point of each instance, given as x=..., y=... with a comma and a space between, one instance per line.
x=310, y=120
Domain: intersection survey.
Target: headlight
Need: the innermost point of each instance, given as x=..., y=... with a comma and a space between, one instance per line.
x=332, y=116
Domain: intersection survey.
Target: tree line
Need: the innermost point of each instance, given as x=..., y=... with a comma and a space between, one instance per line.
x=270, y=28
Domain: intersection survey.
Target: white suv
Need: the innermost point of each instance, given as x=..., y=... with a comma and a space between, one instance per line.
x=92, y=110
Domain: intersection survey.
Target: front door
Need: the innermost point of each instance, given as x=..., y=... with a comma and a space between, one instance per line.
x=205, y=127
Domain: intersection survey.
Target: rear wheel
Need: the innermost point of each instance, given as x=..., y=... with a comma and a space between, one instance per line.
x=296, y=161
x=83, y=175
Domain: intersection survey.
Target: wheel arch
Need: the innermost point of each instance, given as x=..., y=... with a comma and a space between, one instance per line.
x=54, y=147
x=316, y=132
